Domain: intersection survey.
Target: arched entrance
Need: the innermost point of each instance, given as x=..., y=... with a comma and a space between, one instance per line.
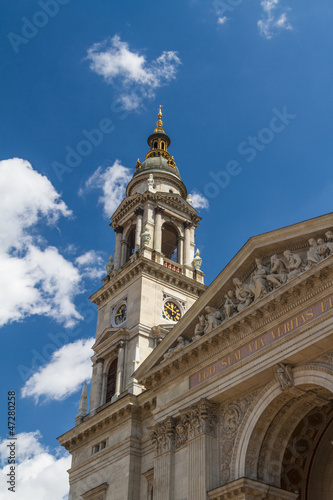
x=286, y=437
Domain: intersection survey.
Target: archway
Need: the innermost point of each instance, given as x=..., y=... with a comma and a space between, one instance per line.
x=170, y=241
x=284, y=440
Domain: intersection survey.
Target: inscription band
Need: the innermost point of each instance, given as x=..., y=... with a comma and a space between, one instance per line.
x=264, y=340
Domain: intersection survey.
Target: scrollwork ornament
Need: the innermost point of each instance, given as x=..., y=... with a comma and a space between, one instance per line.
x=231, y=418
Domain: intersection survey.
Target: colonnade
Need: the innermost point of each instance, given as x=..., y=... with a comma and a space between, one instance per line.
x=154, y=220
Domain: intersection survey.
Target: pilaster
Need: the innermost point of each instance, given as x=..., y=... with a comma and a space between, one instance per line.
x=163, y=437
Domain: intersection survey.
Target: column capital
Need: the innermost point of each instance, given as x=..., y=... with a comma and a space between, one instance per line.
x=162, y=435
x=100, y=360
x=119, y=229
x=197, y=420
x=188, y=224
x=159, y=210
x=138, y=211
x=200, y=418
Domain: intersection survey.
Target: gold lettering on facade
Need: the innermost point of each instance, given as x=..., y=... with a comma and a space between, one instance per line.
x=267, y=338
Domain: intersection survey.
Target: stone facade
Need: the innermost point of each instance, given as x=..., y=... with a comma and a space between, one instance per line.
x=234, y=400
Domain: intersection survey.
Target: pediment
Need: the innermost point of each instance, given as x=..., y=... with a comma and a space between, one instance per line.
x=267, y=267
x=175, y=200
x=127, y=204
x=103, y=341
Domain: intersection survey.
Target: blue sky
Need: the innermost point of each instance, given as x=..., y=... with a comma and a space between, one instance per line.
x=246, y=88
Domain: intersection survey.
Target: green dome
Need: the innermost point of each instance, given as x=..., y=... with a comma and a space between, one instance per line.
x=155, y=163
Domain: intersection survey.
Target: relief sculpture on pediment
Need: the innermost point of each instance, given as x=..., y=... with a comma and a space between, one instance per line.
x=264, y=279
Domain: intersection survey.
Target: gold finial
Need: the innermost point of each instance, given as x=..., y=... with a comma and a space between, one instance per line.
x=159, y=123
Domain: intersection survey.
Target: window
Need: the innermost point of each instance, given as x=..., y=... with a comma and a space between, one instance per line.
x=130, y=244
x=111, y=383
x=170, y=242
x=155, y=145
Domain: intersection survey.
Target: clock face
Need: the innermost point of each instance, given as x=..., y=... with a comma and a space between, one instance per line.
x=172, y=311
x=121, y=314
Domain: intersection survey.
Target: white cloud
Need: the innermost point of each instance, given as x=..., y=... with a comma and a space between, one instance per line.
x=112, y=182
x=199, y=201
x=273, y=18
x=41, y=474
x=139, y=79
x=35, y=278
x=222, y=20
x=69, y=367
x=91, y=264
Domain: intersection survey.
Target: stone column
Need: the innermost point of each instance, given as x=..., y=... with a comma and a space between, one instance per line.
x=96, y=385
x=138, y=228
x=158, y=229
x=117, y=251
x=163, y=437
x=202, y=452
x=192, y=245
x=120, y=371
x=180, y=250
x=187, y=243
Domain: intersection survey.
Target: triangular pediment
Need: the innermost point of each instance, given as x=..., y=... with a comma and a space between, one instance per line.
x=265, y=268
x=126, y=205
x=175, y=199
x=103, y=341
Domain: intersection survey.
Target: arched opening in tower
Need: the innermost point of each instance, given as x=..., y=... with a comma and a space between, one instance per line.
x=130, y=244
x=170, y=242
x=111, y=383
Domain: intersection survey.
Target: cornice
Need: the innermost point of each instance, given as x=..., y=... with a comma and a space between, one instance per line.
x=142, y=266
x=125, y=206
x=172, y=200
x=108, y=416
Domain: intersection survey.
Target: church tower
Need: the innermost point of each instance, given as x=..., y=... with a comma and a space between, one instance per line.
x=155, y=276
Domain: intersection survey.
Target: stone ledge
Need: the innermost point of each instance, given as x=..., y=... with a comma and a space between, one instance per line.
x=247, y=489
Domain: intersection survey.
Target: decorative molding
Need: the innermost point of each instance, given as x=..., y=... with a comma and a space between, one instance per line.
x=133, y=270
x=174, y=432
x=94, y=425
x=230, y=418
x=268, y=276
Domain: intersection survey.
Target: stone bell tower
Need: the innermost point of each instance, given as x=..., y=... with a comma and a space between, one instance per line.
x=155, y=277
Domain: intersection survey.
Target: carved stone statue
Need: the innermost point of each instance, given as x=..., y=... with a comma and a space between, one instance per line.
x=230, y=304
x=313, y=255
x=145, y=237
x=259, y=278
x=150, y=182
x=243, y=294
x=329, y=236
x=284, y=375
x=182, y=343
x=109, y=266
x=278, y=275
x=199, y=328
x=214, y=318
x=323, y=248
x=294, y=264
x=197, y=261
